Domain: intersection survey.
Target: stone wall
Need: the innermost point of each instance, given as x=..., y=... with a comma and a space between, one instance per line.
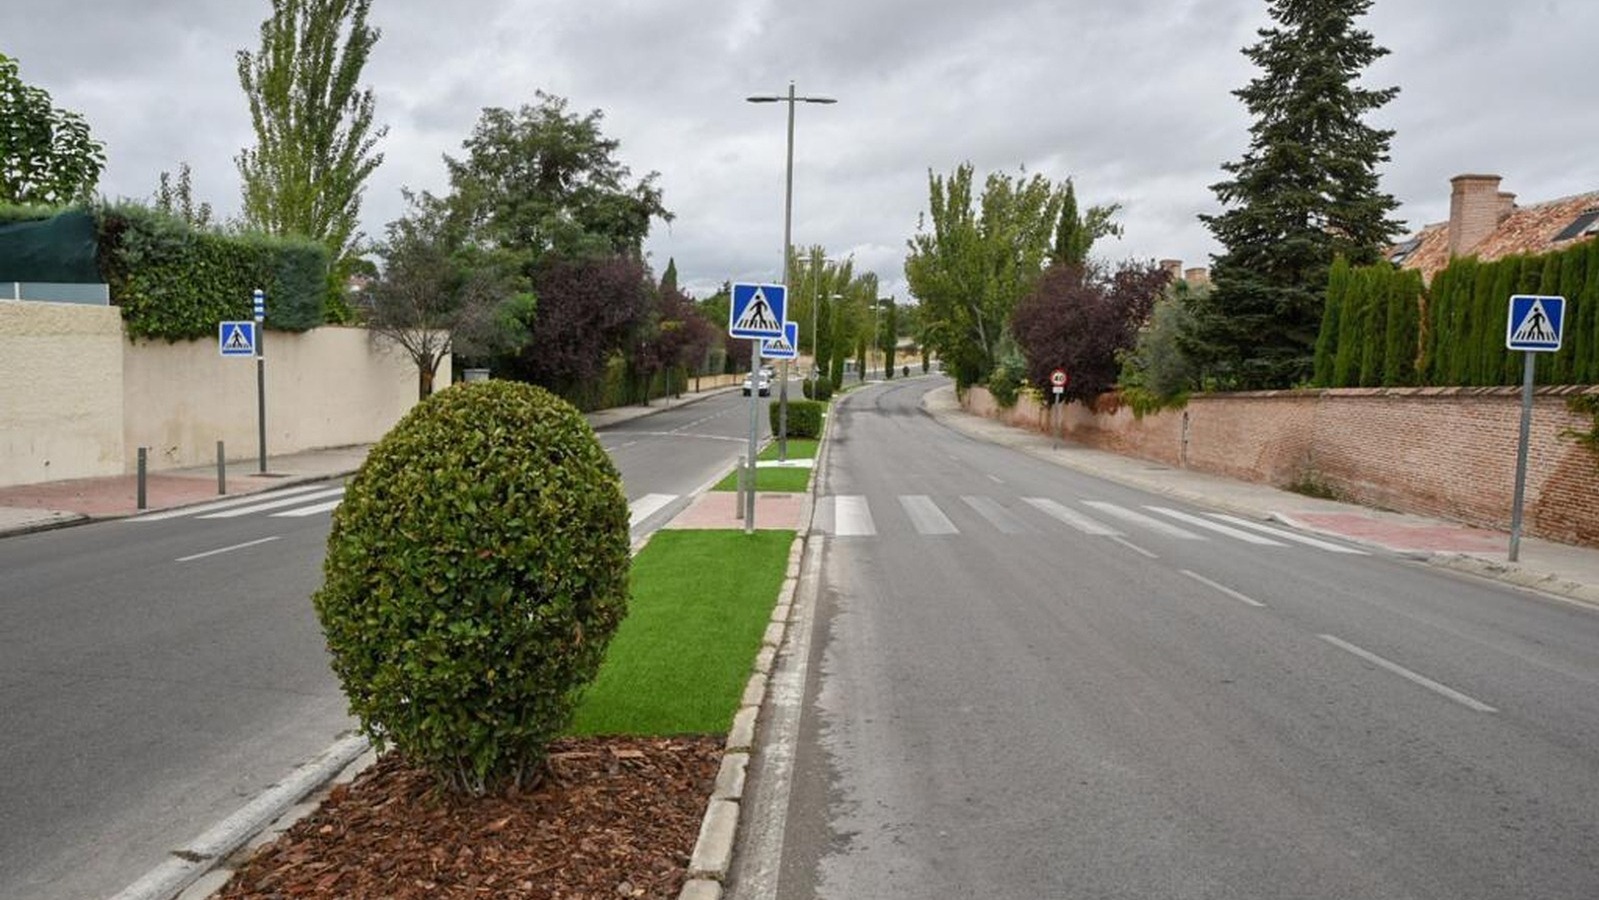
x=1443, y=452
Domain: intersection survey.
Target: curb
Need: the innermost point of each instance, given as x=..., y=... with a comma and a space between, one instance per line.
x=713, y=851
x=203, y=855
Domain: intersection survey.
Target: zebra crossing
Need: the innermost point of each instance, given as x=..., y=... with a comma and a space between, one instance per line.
x=851, y=516
x=315, y=499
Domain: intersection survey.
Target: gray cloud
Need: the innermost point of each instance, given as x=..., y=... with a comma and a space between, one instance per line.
x=1132, y=99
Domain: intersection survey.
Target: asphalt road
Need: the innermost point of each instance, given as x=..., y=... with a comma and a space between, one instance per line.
x=156, y=674
x=1026, y=682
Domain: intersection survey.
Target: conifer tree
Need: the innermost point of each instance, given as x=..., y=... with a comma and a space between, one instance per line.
x=1304, y=192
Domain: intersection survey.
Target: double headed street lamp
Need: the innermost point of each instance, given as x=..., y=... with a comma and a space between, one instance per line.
x=788, y=222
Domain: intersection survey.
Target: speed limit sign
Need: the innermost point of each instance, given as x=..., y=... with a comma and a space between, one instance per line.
x=1057, y=379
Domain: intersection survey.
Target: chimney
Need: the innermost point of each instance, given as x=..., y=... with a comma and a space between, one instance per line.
x=1507, y=205
x=1173, y=269
x=1197, y=277
x=1475, y=206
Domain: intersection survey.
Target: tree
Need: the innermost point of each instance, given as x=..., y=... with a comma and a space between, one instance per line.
x=1304, y=192
x=1075, y=234
x=889, y=335
x=175, y=197
x=970, y=265
x=313, y=123
x=547, y=181
x=46, y=154
x=589, y=308
x=1156, y=369
x=1082, y=318
x=435, y=297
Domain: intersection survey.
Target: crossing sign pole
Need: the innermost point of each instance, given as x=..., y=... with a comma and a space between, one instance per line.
x=260, y=375
x=1534, y=325
x=757, y=312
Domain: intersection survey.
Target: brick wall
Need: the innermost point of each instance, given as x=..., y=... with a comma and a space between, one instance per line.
x=1443, y=452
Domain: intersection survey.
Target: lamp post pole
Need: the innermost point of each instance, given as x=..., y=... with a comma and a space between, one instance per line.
x=788, y=224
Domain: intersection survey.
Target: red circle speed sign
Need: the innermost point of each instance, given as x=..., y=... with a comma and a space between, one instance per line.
x=1058, y=378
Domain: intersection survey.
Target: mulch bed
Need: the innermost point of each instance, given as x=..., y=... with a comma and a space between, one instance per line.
x=616, y=817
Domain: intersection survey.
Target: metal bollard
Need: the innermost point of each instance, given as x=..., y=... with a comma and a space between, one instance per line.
x=222, y=470
x=740, y=513
x=143, y=455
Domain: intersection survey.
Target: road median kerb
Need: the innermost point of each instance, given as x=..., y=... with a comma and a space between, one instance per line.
x=754, y=690
x=741, y=738
x=713, y=852
x=730, y=778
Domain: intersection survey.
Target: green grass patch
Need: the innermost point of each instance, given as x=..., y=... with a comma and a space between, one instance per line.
x=798, y=448
x=700, y=604
x=771, y=480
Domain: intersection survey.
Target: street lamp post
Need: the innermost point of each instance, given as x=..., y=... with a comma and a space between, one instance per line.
x=788, y=222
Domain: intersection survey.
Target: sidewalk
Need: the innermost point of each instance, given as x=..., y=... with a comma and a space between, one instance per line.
x=1561, y=569
x=54, y=504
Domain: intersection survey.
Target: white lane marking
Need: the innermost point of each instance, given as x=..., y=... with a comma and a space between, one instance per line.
x=1132, y=546
x=852, y=517
x=1070, y=516
x=1403, y=672
x=646, y=506
x=926, y=515
x=1223, y=588
x=1289, y=535
x=225, y=549
x=223, y=504
x=1217, y=527
x=275, y=504
x=1138, y=518
x=995, y=478
x=997, y=515
x=309, y=510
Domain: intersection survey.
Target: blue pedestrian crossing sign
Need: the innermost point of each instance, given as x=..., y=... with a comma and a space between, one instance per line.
x=236, y=338
x=1535, y=323
x=757, y=311
x=785, y=347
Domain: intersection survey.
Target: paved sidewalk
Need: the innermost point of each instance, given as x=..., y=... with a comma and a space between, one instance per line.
x=54, y=504
x=1561, y=569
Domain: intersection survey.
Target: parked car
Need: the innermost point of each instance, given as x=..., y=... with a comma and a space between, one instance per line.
x=763, y=385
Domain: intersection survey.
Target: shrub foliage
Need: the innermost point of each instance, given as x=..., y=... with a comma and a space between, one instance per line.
x=476, y=570
x=804, y=418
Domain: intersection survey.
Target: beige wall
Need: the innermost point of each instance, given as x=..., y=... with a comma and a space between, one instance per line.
x=327, y=387
x=79, y=399
x=60, y=391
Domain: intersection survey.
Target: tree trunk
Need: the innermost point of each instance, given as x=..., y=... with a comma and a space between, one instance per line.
x=424, y=382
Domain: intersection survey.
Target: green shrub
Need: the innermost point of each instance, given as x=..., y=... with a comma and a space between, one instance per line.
x=819, y=388
x=804, y=418
x=476, y=570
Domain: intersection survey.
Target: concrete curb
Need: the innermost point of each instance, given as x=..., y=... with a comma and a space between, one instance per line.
x=207, y=851
x=713, y=851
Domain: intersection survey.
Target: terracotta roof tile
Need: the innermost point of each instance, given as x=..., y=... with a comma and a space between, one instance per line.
x=1528, y=229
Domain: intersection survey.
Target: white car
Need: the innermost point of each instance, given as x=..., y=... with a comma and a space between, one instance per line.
x=763, y=386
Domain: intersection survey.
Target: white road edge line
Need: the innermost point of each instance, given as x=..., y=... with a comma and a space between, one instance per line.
x=226, y=549
x=1223, y=588
x=1401, y=671
x=1132, y=546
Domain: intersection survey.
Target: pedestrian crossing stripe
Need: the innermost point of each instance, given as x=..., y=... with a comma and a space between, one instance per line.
x=1535, y=323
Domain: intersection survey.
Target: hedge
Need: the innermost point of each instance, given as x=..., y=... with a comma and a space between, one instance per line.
x=804, y=418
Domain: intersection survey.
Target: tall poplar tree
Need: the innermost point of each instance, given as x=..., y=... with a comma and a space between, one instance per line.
x=313, y=122
x=1305, y=192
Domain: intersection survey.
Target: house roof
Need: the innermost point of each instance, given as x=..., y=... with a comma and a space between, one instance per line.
x=1527, y=230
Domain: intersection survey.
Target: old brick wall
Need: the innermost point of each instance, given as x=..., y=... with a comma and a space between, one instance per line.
x=1443, y=452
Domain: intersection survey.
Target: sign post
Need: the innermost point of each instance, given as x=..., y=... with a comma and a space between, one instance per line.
x=757, y=313
x=1534, y=325
x=1057, y=384
x=260, y=374
x=784, y=348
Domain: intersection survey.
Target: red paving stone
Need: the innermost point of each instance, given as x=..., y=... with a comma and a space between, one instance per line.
x=1407, y=536
x=119, y=495
x=718, y=509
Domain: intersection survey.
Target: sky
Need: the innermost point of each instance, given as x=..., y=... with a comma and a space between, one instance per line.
x=1132, y=99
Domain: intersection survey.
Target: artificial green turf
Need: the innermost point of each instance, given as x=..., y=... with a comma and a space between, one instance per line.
x=798, y=448
x=701, y=601
x=771, y=480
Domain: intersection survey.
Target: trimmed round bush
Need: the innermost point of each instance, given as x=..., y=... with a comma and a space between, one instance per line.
x=818, y=388
x=476, y=570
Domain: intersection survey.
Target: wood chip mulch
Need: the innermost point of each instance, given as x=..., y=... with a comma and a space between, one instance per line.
x=615, y=818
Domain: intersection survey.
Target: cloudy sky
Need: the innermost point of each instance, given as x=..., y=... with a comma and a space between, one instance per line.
x=1131, y=98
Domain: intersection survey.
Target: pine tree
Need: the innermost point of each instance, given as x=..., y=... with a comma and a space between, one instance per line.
x=1304, y=192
